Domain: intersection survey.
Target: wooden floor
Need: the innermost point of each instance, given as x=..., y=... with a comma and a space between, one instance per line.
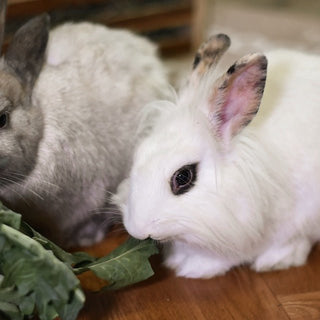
x=293, y=294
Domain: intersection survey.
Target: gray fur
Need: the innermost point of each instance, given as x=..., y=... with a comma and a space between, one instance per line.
x=72, y=128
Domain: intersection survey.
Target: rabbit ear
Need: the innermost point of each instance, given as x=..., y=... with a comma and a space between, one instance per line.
x=208, y=56
x=236, y=96
x=25, y=54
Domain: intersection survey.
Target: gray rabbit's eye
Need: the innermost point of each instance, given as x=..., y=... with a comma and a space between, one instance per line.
x=4, y=119
x=183, y=179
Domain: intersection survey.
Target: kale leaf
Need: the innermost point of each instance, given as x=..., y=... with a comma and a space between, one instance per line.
x=39, y=278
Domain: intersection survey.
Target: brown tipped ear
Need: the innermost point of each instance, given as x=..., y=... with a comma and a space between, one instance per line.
x=236, y=96
x=209, y=55
x=25, y=54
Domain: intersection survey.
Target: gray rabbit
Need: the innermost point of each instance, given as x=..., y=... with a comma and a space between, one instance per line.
x=70, y=106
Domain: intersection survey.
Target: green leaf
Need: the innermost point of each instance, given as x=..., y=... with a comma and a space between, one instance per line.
x=125, y=265
x=38, y=278
x=76, y=303
x=11, y=311
x=66, y=257
x=35, y=280
x=9, y=217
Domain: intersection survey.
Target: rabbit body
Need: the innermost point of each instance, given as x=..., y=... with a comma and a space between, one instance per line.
x=82, y=123
x=254, y=197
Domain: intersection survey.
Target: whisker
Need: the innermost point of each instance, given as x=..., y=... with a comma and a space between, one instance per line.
x=110, y=193
x=22, y=186
x=44, y=188
x=36, y=178
x=109, y=208
x=14, y=191
x=119, y=229
x=115, y=219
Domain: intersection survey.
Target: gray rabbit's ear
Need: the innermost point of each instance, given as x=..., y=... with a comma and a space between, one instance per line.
x=25, y=54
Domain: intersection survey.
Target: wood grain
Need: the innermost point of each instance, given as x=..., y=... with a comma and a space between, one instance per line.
x=302, y=306
x=296, y=280
x=241, y=294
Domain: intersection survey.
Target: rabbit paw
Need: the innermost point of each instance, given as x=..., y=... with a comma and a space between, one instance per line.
x=293, y=254
x=194, y=262
x=87, y=232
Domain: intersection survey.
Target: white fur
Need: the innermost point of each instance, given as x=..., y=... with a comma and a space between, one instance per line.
x=258, y=202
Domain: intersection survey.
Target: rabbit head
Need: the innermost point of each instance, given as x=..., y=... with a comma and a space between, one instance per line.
x=20, y=121
x=184, y=183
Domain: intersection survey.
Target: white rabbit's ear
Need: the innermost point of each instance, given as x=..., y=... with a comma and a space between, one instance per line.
x=207, y=57
x=235, y=97
x=25, y=54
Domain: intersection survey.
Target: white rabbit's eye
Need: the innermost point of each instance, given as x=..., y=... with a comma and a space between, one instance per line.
x=4, y=119
x=183, y=179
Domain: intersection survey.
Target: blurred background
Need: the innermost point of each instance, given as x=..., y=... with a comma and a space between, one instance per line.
x=179, y=26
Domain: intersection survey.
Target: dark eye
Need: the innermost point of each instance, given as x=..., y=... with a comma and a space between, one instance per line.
x=183, y=179
x=4, y=118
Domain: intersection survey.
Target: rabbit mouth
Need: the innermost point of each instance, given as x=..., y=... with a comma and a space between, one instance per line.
x=158, y=233
x=158, y=239
x=162, y=239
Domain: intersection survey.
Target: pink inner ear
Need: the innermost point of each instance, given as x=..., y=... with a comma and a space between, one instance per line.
x=241, y=97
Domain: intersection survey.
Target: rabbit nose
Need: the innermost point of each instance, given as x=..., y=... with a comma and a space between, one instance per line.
x=136, y=231
x=138, y=234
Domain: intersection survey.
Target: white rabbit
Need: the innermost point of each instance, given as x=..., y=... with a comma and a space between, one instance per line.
x=221, y=184
x=68, y=122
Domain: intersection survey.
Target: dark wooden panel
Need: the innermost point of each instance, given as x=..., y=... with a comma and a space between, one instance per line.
x=145, y=17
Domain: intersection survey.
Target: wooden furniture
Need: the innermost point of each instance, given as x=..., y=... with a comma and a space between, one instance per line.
x=241, y=294
x=176, y=25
